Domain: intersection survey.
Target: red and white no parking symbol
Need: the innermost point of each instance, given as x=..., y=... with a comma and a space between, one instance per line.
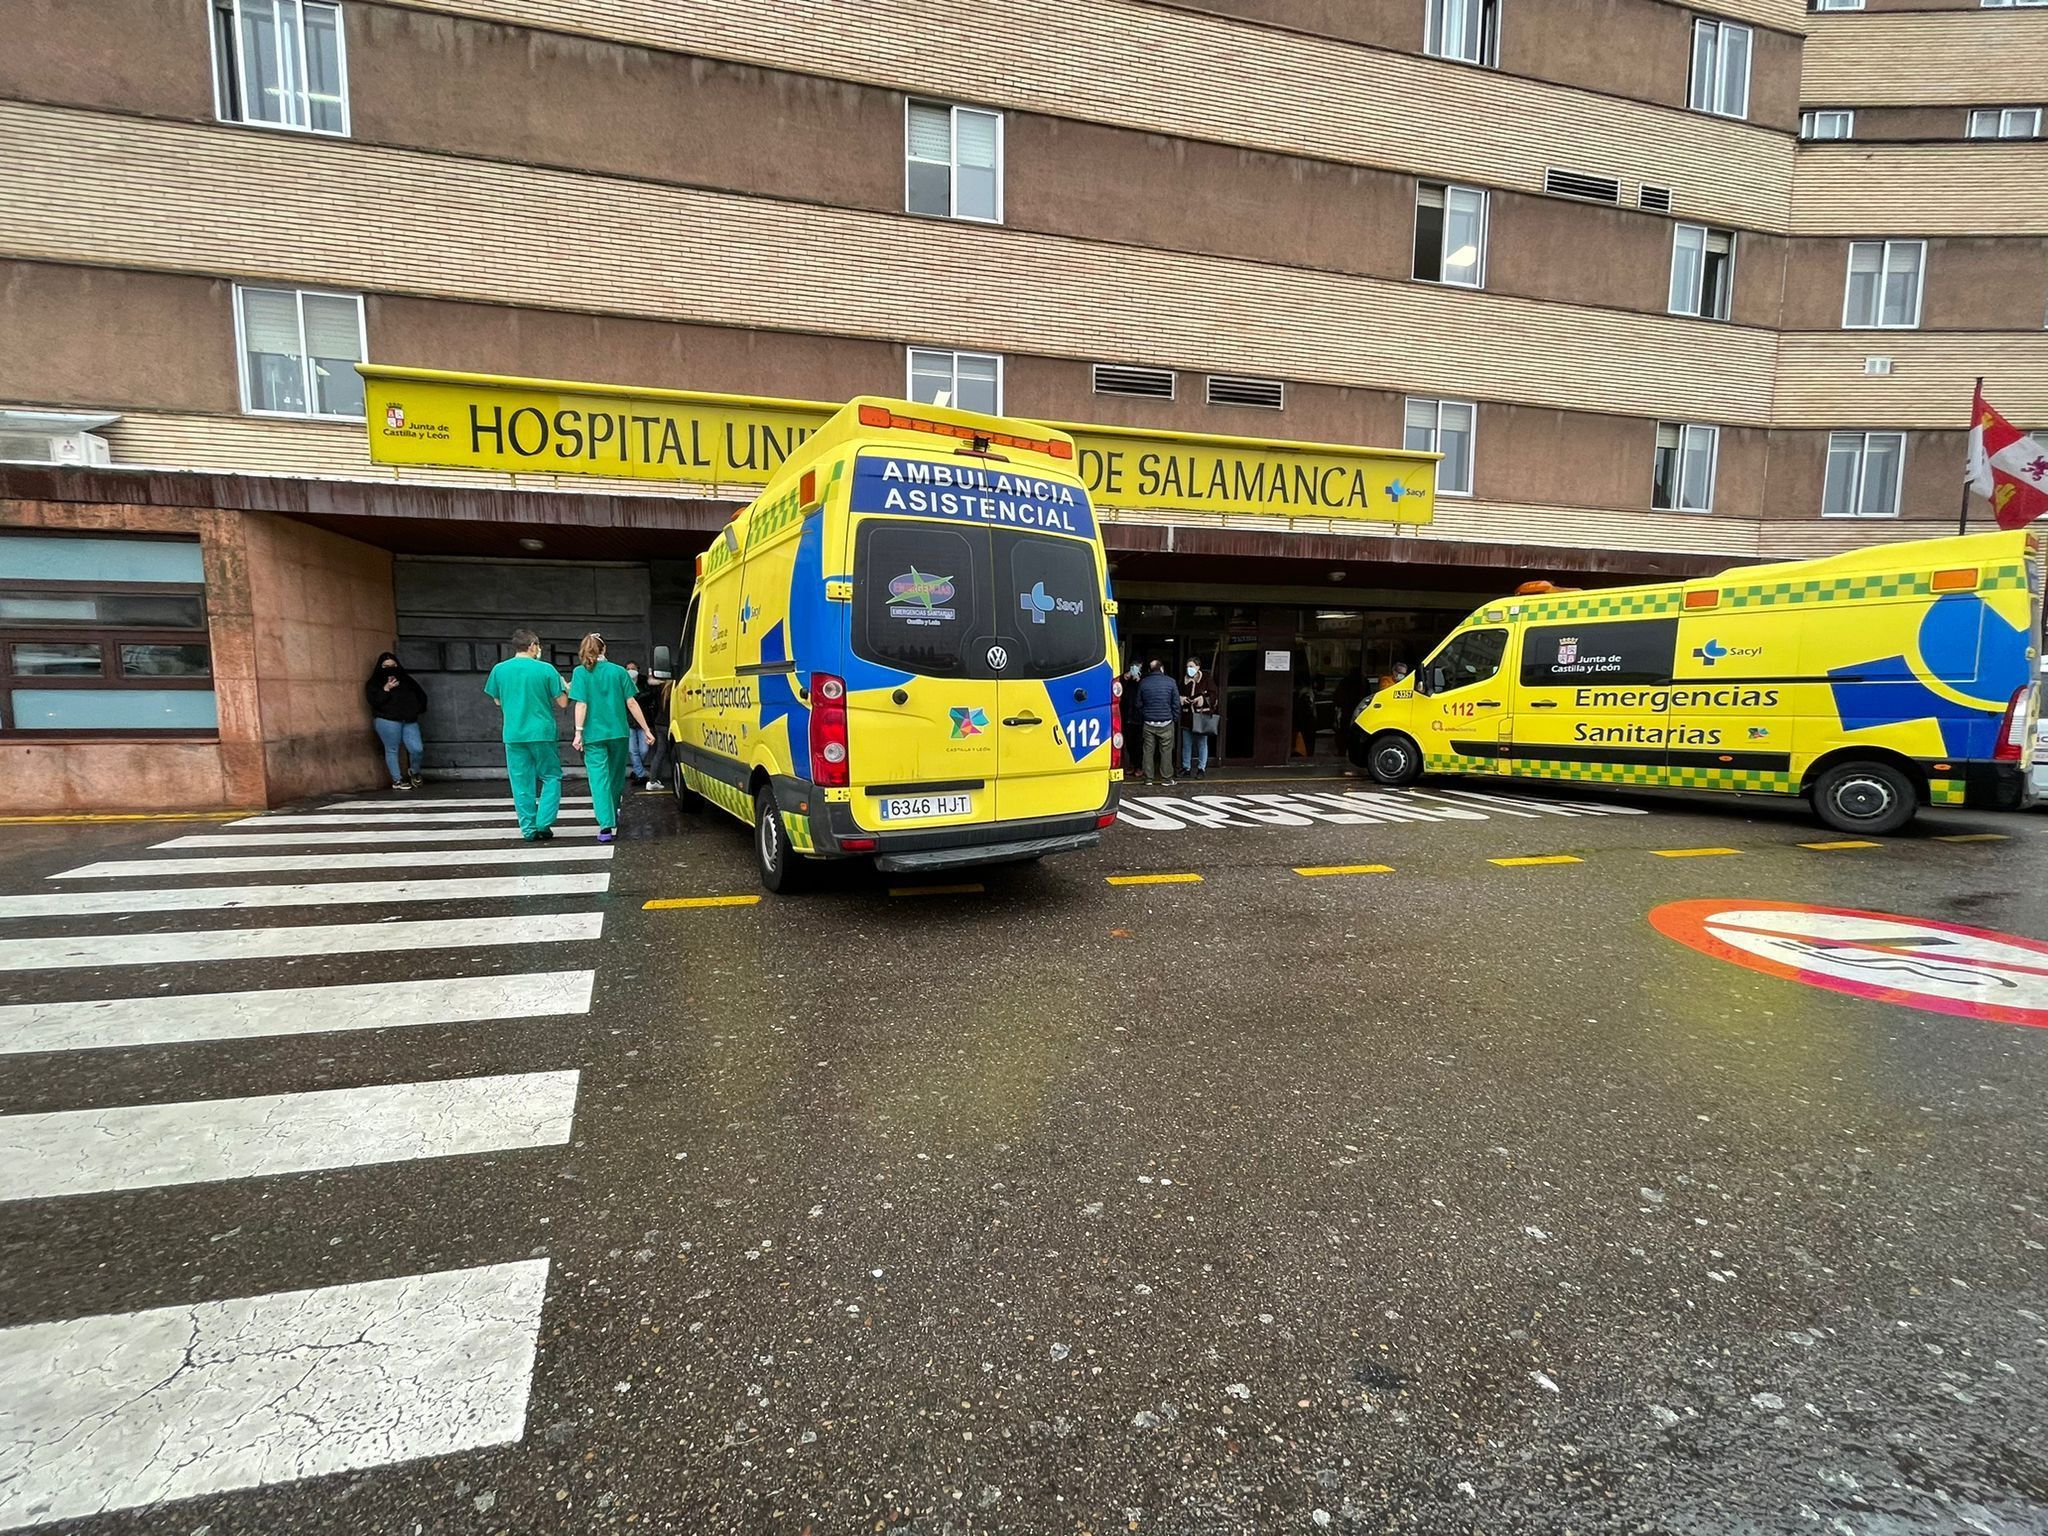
x=1917, y=961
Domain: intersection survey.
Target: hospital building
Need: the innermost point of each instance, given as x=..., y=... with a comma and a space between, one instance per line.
x=1670, y=287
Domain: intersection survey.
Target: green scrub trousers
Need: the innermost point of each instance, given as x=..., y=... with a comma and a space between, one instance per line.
x=606, y=761
x=535, y=768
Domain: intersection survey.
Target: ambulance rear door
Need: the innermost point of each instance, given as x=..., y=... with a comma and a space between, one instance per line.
x=1055, y=693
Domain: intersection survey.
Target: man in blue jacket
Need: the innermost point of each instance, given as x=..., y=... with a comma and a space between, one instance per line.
x=1159, y=705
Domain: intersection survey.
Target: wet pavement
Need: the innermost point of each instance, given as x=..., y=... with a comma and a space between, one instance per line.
x=1438, y=1194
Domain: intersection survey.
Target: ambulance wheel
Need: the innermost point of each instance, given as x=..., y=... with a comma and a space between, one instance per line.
x=1393, y=759
x=1867, y=797
x=686, y=798
x=782, y=868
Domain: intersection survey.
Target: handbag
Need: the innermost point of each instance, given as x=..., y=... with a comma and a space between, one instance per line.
x=1205, y=723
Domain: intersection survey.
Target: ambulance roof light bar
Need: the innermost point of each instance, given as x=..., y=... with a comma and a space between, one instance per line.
x=882, y=416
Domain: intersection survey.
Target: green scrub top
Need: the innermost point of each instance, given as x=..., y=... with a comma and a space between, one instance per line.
x=605, y=688
x=526, y=688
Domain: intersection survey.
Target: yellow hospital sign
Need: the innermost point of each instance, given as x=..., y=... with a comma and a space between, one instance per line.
x=423, y=417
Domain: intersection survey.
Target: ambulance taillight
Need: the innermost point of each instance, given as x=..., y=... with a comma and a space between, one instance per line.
x=1116, y=725
x=2012, y=732
x=829, y=765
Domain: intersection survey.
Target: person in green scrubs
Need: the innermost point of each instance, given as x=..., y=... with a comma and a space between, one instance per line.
x=603, y=691
x=527, y=691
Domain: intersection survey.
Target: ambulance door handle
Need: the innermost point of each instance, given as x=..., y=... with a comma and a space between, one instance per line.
x=1543, y=703
x=1023, y=720
x=1486, y=703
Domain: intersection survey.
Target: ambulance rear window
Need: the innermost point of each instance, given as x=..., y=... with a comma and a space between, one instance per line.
x=1051, y=602
x=916, y=594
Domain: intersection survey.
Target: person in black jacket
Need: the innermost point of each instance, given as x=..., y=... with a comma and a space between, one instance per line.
x=397, y=702
x=647, y=694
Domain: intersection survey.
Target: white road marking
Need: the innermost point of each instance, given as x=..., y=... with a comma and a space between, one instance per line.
x=166, y=1020
x=311, y=863
x=132, y=1409
x=409, y=817
x=276, y=943
x=337, y=893
x=1351, y=807
x=435, y=803
x=361, y=836
x=90, y=1151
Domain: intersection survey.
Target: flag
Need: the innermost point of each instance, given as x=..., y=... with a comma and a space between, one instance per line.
x=2006, y=467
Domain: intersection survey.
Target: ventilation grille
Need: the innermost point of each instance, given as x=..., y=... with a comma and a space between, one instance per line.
x=1146, y=383
x=1656, y=199
x=1267, y=394
x=1597, y=189
x=1877, y=367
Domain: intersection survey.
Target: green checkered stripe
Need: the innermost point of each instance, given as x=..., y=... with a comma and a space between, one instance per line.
x=1594, y=605
x=1650, y=777
x=727, y=797
x=1455, y=762
x=1946, y=792
x=1837, y=589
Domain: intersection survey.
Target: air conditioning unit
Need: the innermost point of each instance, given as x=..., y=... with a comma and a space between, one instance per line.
x=54, y=437
x=1877, y=367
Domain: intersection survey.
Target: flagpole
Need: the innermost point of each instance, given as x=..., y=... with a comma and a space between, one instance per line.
x=1963, y=514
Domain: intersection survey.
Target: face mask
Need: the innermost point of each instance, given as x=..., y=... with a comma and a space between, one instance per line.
x=633, y=673
x=1193, y=670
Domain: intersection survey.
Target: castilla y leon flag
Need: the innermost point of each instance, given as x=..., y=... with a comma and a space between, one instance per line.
x=2006, y=467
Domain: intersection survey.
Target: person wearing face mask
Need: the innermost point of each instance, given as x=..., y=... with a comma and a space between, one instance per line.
x=1197, y=719
x=1133, y=720
x=647, y=695
x=397, y=702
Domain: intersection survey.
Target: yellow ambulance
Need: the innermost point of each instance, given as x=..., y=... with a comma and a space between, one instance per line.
x=902, y=649
x=1871, y=683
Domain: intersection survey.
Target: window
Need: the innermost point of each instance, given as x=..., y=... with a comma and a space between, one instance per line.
x=1863, y=474
x=1444, y=426
x=2001, y=4
x=1472, y=657
x=967, y=381
x=299, y=349
x=103, y=634
x=2006, y=123
x=280, y=62
x=1450, y=234
x=1683, y=480
x=1819, y=127
x=1720, y=68
x=1702, y=271
x=1834, y=5
x=953, y=162
x=1884, y=285
x=1631, y=652
x=1463, y=29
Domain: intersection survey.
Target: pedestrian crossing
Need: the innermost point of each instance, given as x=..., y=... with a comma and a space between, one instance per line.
x=223, y=1392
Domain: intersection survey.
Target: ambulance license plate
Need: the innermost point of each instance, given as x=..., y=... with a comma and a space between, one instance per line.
x=921, y=807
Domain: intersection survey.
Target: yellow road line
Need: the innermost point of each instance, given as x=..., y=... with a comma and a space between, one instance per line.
x=1345, y=869
x=1974, y=837
x=1831, y=847
x=44, y=821
x=1547, y=858
x=936, y=890
x=698, y=901
x=1153, y=879
x=1691, y=853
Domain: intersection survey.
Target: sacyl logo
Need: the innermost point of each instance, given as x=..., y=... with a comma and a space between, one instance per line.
x=1714, y=651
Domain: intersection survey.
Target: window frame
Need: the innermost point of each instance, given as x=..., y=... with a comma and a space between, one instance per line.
x=1810, y=119
x=110, y=638
x=233, y=9
x=1877, y=321
x=2001, y=114
x=1489, y=33
x=1685, y=431
x=910, y=355
x=1436, y=437
x=1819, y=6
x=299, y=296
x=1724, y=309
x=1426, y=184
x=953, y=110
x=1863, y=441
x=1722, y=28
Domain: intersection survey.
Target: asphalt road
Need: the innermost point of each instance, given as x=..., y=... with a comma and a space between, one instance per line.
x=1431, y=1194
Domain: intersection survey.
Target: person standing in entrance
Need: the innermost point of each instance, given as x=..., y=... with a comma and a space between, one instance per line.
x=603, y=691
x=1197, y=719
x=523, y=686
x=397, y=702
x=1159, y=704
